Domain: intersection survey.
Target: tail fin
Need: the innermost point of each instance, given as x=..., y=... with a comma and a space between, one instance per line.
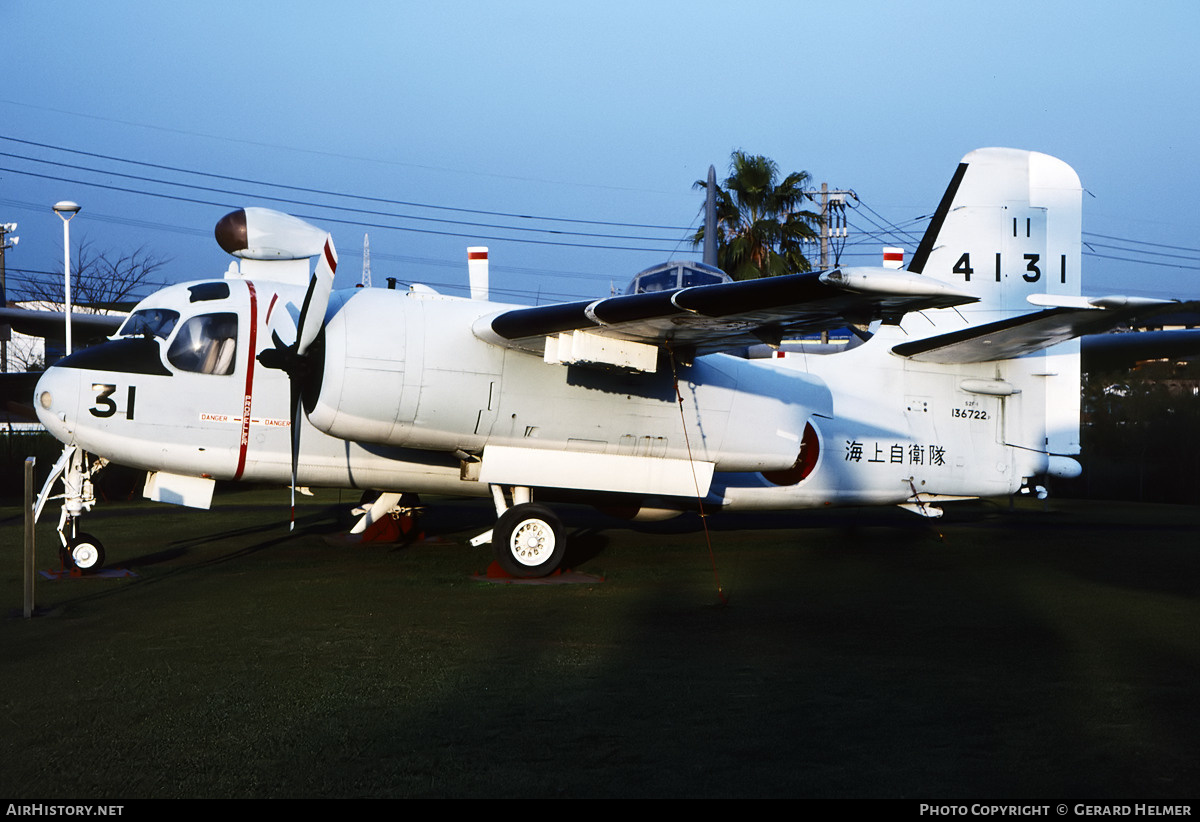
x=1008, y=227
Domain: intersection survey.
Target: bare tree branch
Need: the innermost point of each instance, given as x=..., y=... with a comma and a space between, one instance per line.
x=102, y=279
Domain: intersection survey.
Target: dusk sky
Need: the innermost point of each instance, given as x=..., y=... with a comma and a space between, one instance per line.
x=433, y=127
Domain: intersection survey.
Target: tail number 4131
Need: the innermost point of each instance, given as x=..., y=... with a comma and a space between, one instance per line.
x=1032, y=272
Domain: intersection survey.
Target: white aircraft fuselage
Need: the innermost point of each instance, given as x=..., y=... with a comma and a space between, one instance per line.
x=397, y=404
x=955, y=393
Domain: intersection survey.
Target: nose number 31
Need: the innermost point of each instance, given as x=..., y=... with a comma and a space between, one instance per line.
x=105, y=406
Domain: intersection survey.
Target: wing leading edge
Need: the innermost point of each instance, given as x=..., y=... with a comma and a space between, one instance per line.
x=51, y=324
x=726, y=316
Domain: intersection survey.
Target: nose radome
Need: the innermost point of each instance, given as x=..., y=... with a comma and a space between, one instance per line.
x=56, y=401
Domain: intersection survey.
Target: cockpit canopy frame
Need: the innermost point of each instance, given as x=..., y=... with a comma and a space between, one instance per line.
x=676, y=274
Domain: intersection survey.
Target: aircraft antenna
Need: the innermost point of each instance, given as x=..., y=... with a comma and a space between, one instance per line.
x=710, y=219
x=366, y=277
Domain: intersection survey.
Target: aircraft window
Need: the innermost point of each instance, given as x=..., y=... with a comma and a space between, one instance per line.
x=669, y=276
x=208, y=291
x=698, y=276
x=659, y=281
x=150, y=322
x=206, y=344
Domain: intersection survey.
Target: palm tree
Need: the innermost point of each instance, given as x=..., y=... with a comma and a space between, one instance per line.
x=760, y=227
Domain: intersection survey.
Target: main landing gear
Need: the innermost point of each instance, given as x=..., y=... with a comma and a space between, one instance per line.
x=78, y=551
x=528, y=539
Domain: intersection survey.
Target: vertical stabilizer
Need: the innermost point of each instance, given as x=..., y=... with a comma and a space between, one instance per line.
x=1008, y=227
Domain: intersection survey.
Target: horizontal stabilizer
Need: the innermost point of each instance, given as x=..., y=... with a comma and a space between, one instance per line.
x=1018, y=336
x=1112, y=352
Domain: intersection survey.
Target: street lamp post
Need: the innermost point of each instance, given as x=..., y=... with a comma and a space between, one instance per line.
x=66, y=210
x=5, y=332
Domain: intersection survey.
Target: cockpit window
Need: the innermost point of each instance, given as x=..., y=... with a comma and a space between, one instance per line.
x=205, y=344
x=150, y=322
x=658, y=281
x=694, y=275
x=677, y=274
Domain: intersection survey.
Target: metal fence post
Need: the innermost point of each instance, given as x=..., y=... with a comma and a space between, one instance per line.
x=29, y=561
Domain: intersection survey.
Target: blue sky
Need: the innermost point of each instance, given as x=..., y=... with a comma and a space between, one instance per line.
x=590, y=112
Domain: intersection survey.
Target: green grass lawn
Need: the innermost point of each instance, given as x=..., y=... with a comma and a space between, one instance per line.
x=1034, y=653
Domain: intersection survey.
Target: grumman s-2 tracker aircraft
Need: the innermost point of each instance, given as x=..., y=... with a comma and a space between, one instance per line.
x=963, y=382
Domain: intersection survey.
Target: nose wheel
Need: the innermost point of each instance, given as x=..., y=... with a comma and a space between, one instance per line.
x=83, y=552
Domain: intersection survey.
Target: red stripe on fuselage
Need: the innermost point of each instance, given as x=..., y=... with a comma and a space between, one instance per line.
x=245, y=441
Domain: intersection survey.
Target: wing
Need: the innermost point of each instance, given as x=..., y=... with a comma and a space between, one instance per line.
x=725, y=316
x=51, y=324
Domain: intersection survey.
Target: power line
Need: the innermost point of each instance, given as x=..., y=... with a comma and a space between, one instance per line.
x=309, y=204
x=317, y=191
x=1142, y=261
x=326, y=218
x=1139, y=242
x=276, y=147
x=882, y=229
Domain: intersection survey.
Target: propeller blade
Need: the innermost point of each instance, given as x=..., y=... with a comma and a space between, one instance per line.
x=291, y=358
x=312, y=313
x=297, y=411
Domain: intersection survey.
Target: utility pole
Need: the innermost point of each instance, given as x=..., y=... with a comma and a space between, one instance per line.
x=833, y=219
x=5, y=330
x=833, y=225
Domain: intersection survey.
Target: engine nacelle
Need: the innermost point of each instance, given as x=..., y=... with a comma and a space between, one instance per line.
x=403, y=368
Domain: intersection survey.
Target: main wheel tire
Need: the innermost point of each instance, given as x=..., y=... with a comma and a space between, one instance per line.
x=85, y=553
x=528, y=541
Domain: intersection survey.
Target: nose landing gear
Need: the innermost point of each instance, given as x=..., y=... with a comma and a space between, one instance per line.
x=78, y=551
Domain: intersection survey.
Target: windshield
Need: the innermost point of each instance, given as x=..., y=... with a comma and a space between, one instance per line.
x=150, y=322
